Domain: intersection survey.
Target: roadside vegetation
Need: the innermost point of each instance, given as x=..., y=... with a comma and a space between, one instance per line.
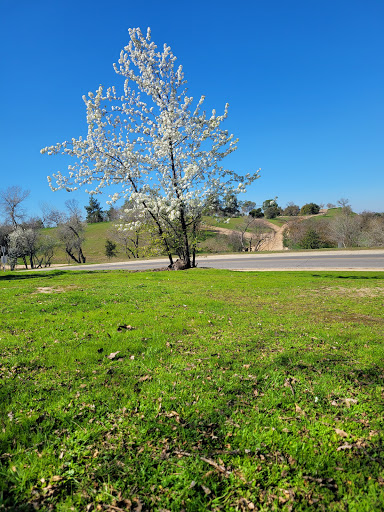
x=200, y=390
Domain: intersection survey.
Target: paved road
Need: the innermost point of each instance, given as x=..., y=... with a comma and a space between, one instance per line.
x=330, y=260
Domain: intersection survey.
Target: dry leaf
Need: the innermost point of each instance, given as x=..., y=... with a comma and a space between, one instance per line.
x=219, y=467
x=56, y=478
x=112, y=355
x=345, y=446
x=349, y=401
x=341, y=432
x=145, y=377
x=207, y=490
x=299, y=410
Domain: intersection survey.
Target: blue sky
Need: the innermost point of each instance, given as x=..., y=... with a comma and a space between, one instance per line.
x=304, y=81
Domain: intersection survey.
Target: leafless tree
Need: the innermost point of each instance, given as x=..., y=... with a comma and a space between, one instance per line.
x=11, y=201
x=252, y=234
x=345, y=228
x=52, y=217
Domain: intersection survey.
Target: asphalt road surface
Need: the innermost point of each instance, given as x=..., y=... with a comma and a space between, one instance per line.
x=327, y=260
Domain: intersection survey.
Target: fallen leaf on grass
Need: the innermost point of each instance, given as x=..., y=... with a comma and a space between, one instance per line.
x=207, y=490
x=341, y=432
x=299, y=410
x=112, y=355
x=346, y=401
x=219, y=467
x=345, y=446
x=144, y=378
x=349, y=401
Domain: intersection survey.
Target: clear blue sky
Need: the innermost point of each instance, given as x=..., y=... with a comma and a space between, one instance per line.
x=304, y=80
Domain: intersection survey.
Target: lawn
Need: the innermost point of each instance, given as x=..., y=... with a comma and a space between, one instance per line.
x=195, y=390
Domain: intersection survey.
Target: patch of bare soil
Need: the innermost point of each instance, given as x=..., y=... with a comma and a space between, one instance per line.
x=352, y=292
x=50, y=289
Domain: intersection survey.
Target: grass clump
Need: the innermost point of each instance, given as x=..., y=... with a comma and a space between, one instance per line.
x=198, y=390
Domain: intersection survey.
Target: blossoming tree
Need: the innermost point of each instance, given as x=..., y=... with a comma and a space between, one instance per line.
x=165, y=155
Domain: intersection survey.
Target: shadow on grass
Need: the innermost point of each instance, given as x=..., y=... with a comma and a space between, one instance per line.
x=347, y=367
x=349, y=276
x=18, y=276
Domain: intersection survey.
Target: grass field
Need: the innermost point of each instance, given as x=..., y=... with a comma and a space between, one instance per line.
x=195, y=390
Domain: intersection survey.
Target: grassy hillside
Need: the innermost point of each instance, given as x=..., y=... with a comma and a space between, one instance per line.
x=198, y=390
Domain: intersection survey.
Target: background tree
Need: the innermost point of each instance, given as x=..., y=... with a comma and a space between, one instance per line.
x=310, y=209
x=256, y=213
x=11, y=201
x=52, y=217
x=71, y=232
x=230, y=205
x=213, y=205
x=45, y=250
x=246, y=207
x=165, y=155
x=271, y=208
x=343, y=202
x=312, y=233
x=110, y=249
x=94, y=211
x=346, y=229
x=311, y=240
x=372, y=230
x=291, y=210
x=251, y=234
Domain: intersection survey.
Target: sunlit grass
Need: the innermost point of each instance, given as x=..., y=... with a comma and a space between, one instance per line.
x=222, y=391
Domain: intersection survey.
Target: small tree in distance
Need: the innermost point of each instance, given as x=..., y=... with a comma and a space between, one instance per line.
x=291, y=210
x=11, y=201
x=271, y=208
x=94, y=211
x=165, y=155
x=310, y=209
x=110, y=249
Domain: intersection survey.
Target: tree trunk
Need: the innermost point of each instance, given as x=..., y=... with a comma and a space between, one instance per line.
x=72, y=256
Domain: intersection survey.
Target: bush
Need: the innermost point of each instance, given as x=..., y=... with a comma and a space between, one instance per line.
x=310, y=209
x=308, y=234
x=256, y=213
x=110, y=249
x=311, y=240
x=292, y=210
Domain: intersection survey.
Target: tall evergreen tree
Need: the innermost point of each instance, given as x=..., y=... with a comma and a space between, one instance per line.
x=94, y=211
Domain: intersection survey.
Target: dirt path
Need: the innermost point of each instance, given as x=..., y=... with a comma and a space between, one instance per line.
x=273, y=241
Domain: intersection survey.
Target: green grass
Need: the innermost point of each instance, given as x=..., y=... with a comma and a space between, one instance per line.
x=229, y=391
x=228, y=223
